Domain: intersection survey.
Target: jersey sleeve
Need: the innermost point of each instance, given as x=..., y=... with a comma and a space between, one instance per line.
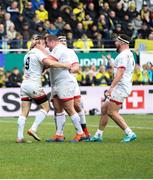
x=122, y=62
x=41, y=56
x=74, y=58
x=55, y=53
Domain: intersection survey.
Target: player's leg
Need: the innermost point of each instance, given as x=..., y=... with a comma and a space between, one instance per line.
x=25, y=108
x=116, y=100
x=80, y=110
x=66, y=93
x=60, y=117
x=102, y=123
x=113, y=113
x=42, y=102
x=59, y=121
x=68, y=105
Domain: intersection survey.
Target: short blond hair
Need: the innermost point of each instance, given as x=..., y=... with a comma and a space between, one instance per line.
x=36, y=40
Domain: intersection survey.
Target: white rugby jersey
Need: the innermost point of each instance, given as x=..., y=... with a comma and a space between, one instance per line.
x=125, y=60
x=63, y=54
x=33, y=65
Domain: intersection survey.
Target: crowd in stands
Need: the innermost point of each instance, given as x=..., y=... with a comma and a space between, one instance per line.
x=86, y=23
x=10, y=78
x=87, y=76
x=103, y=76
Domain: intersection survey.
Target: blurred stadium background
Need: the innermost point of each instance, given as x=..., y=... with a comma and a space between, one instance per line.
x=90, y=26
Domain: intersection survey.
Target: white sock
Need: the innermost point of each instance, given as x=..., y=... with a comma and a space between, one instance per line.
x=60, y=121
x=76, y=121
x=21, y=123
x=99, y=133
x=82, y=117
x=128, y=131
x=38, y=119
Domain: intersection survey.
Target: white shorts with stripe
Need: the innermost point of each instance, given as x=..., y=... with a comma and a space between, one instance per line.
x=31, y=89
x=66, y=91
x=118, y=96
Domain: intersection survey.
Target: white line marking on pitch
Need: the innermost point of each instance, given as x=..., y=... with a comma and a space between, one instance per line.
x=90, y=125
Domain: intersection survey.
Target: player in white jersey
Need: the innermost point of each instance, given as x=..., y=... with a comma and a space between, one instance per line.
x=64, y=85
x=31, y=89
x=119, y=90
x=59, y=111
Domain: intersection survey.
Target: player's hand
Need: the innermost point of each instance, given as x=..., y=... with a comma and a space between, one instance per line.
x=67, y=65
x=109, y=91
x=105, y=96
x=45, y=69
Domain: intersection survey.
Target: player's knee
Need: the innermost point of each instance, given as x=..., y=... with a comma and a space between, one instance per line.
x=45, y=106
x=58, y=109
x=44, y=111
x=47, y=109
x=25, y=114
x=77, y=107
x=104, y=110
x=110, y=112
x=70, y=110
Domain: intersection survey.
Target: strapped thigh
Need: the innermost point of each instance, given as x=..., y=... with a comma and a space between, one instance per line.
x=26, y=99
x=41, y=99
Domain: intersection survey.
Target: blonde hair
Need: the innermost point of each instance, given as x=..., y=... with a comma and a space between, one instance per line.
x=36, y=39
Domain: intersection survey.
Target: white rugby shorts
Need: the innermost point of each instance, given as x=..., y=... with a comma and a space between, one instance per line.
x=66, y=91
x=31, y=89
x=118, y=96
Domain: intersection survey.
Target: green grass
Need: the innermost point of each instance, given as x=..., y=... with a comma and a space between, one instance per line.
x=109, y=159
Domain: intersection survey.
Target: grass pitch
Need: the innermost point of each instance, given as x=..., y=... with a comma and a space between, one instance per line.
x=109, y=159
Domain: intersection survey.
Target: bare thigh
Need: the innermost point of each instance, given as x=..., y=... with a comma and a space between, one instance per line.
x=77, y=104
x=112, y=107
x=58, y=105
x=104, y=107
x=69, y=107
x=45, y=106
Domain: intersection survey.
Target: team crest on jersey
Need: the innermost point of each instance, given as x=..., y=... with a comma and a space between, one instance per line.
x=34, y=92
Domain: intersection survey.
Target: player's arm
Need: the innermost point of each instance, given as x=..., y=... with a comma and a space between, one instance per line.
x=75, y=68
x=116, y=80
x=118, y=76
x=52, y=62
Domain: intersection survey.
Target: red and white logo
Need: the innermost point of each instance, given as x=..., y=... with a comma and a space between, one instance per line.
x=135, y=100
